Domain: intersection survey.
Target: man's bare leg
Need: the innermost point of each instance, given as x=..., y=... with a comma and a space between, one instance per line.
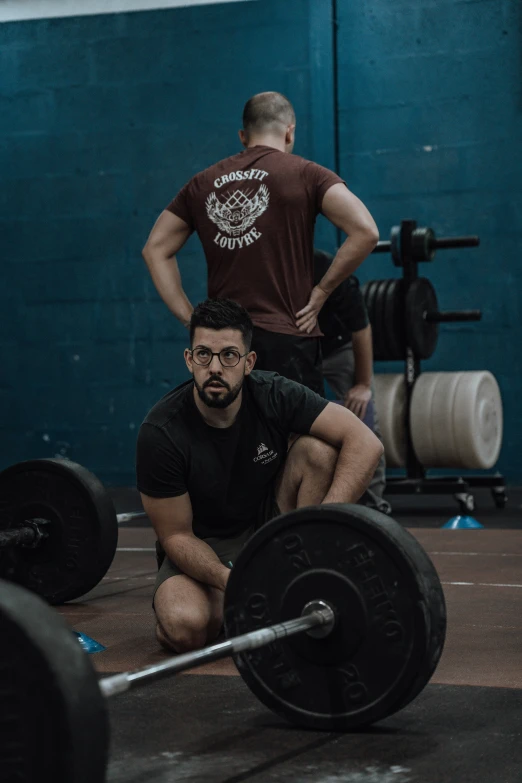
x=189, y=614
x=307, y=474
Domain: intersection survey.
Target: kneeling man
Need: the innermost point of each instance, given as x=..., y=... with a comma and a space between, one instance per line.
x=218, y=456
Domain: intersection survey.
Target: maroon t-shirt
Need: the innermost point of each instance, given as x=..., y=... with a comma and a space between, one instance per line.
x=255, y=215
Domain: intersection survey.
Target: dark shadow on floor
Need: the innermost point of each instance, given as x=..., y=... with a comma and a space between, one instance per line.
x=212, y=729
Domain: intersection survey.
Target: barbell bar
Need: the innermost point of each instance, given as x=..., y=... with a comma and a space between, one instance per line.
x=443, y=243
x=451, y=316
x=316, y=616
x=359, y=653
x=33, y=531
x=423, y=242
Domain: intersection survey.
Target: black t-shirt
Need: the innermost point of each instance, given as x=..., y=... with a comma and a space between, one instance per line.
x=344, y=311
x=227, y=472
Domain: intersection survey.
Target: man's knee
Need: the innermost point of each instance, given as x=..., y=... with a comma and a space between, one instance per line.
x=163, y=639
x=181, y=636
x=318, y=454
x=178, y=629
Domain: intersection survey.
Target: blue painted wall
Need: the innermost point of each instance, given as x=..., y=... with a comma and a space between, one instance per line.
x=103, y=119
x=430, y=124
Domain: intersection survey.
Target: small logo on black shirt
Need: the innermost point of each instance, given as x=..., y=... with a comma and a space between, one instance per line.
x=264, y=454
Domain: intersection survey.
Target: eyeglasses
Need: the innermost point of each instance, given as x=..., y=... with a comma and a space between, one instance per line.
x=228, y=356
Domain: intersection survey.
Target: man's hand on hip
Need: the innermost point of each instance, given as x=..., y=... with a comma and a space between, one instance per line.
x=307, y=317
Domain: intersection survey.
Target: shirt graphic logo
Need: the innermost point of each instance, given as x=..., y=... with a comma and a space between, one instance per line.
x=235, y=212
x=235, y=215
x=264, y=454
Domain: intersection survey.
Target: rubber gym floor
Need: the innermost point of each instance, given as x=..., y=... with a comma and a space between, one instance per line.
x=206, y=725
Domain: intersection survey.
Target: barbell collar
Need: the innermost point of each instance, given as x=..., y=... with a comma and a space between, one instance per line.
x=18, y=536
x=448, y=316
x=312, y=618
x=383, y=246
x=28, y=535
x=129, y=516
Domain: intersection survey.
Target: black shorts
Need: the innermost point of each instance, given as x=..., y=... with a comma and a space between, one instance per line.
x=297, y=358
x=227, y=549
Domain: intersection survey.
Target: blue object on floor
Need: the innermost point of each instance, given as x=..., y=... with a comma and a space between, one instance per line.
x=462, y=523
x=89, y=645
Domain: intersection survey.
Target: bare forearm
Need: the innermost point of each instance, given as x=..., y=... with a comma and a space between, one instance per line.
x=196, y=559
x=356, y=464
x=167, y=279
x=350, y=255
x=363, y=355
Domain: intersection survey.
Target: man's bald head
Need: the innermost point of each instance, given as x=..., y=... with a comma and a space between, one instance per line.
x=268, y=114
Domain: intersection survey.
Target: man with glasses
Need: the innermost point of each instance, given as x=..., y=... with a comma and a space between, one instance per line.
x=213, y=464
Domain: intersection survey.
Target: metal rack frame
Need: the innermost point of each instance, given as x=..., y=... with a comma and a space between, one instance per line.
x=410, y=246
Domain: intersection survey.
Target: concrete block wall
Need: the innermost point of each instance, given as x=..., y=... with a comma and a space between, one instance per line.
x=103, y=119
x=430, y=123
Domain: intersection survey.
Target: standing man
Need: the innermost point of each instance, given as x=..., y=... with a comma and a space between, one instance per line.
x=254, y=214
x=348, y=361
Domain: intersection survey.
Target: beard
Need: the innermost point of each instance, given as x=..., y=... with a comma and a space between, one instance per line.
x=211, y=399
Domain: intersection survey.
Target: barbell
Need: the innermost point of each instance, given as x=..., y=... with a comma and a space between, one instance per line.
x=334, y=615
x=422, y=243
x=58, y=528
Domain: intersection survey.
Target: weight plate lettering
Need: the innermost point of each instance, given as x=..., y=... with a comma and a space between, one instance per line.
x=389, y=605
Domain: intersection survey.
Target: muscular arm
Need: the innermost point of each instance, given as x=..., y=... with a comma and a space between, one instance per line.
x=348, y=213
x=359, y=452
x=167, y=237
x=171, y=519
